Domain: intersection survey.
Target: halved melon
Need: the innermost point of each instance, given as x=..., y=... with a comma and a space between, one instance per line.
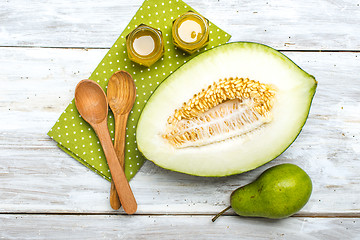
x=228, y=110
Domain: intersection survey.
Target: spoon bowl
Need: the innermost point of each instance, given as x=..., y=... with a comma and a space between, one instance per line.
x=121, y=92
x=90, y=102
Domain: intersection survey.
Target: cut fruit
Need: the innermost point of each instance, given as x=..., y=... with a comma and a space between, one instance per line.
x=228, y=110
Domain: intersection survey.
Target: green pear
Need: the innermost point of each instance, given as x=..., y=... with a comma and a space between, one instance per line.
x=279, y=192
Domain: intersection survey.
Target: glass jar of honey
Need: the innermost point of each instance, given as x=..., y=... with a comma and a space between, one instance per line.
x=145, y=45
x=190, y=32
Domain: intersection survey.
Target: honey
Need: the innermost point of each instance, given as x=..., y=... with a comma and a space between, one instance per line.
x=145, y=45
x=190, y=32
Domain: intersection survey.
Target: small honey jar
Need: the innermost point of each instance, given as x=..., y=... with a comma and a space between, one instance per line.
x=145, y=45
x=190, y=32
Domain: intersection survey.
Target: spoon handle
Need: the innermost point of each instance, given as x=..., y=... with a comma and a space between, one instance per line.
x=122, y=185
x=114, y=197
x=119, y=145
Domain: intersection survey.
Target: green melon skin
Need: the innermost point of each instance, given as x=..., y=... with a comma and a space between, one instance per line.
x=277, y=193
x=295, y=91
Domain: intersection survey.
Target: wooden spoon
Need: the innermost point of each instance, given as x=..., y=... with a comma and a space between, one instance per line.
x=91, y=102
x=121, y=93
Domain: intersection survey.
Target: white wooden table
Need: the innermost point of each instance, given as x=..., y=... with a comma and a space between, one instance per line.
x=46, y=47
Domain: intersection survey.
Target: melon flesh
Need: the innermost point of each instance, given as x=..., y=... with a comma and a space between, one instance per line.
x=231, y=152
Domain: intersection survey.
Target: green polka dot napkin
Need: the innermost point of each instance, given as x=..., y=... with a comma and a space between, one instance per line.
x=77, y=138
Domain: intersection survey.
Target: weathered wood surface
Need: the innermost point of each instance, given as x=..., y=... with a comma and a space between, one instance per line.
x=174, y=227
x=283, y=24
x=46, y=194
x=37, y=176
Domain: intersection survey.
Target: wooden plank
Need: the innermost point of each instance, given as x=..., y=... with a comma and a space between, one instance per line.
x=40, y=79
x=36, y=176
x=283, y=24
x=173, y=227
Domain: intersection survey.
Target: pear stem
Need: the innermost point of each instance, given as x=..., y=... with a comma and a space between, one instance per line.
x=220, y=213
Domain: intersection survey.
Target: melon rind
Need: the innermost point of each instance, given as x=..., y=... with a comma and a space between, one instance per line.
x=294, y=93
